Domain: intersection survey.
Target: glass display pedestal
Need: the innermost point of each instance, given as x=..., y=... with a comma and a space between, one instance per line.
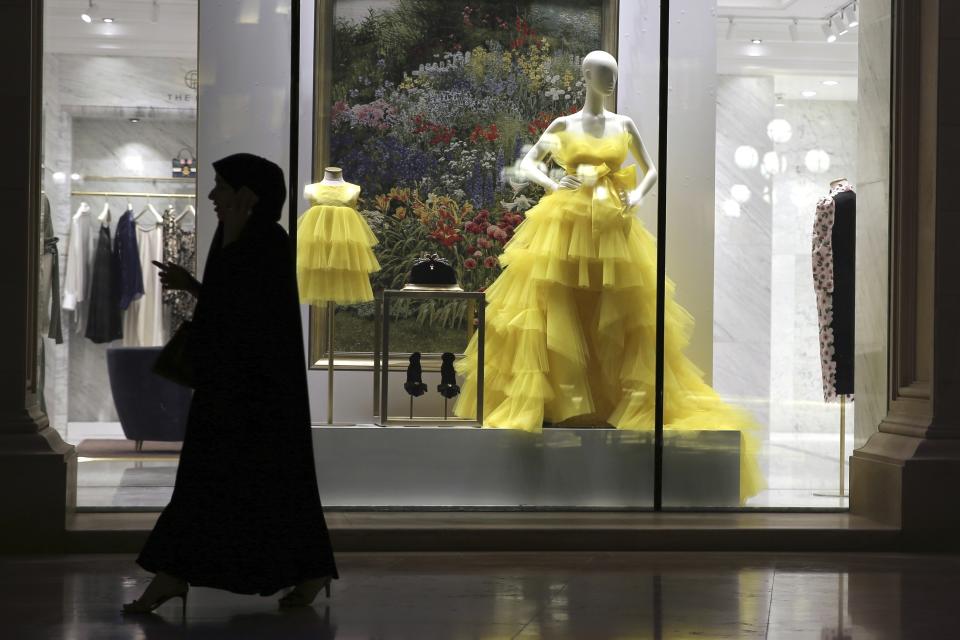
x=383, y=364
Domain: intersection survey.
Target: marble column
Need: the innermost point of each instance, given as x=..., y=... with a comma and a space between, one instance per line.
x=37, y=469
x=907, y=472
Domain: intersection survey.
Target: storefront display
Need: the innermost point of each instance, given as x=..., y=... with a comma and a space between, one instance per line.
x=478, y=152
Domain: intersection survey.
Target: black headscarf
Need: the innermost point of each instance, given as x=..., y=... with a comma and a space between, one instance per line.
x=259, y=175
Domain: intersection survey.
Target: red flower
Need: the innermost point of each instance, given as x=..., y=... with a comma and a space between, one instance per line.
x=469, y=263
x=490, y=262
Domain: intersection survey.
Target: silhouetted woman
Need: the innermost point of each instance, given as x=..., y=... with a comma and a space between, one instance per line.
x=245, y=514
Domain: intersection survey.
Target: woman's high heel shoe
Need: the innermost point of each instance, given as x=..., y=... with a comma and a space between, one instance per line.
x=140, y=605
x=301, y=598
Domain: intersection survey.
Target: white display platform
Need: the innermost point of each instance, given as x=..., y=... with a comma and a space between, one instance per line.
x=466, y=467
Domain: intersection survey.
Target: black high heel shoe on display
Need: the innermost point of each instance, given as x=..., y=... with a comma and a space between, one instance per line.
x=448, y=386
x=415, y=385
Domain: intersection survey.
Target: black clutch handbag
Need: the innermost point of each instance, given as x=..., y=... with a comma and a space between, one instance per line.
x=174, y=362
x=432, y=272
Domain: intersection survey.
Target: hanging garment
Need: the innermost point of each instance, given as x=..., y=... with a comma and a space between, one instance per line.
x=180, y=248
x=103, y=316
x=334, y=248
x=50, y=320
x=571, y=321
x=834, y=262
x=129, y=272
x=76, y=281
x=143, y=320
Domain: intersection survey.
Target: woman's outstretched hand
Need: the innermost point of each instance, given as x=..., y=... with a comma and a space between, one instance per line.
x=173, y=277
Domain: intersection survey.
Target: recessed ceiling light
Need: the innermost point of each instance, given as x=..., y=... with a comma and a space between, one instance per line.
x=108, y=20
x=780, y=104
x=134, y=120
x=808, y=94
x=829, y=83
x=86, y=17
x=756, y=41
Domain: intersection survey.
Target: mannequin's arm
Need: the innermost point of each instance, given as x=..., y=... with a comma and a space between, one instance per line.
x=530, y=165
x=645, y=164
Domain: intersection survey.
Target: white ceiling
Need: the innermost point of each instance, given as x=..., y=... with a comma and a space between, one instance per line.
x=796, y=65
x=780, y=8
x=798, y=62
x=137, y=31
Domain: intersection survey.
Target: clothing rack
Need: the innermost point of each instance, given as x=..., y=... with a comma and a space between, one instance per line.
x=185, y=180
x=132, y=194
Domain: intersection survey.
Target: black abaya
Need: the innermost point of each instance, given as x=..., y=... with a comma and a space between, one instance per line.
x=245, y=513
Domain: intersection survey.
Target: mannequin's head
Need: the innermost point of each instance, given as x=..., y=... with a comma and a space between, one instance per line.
x=599, y=72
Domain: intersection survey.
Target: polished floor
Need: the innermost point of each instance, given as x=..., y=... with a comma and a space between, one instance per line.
x=595, y=596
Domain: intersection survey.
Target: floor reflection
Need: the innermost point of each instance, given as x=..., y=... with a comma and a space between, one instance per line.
x=611, y=596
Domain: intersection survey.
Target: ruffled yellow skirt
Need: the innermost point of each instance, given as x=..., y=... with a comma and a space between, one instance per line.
x=335, y=256
x=571, y=334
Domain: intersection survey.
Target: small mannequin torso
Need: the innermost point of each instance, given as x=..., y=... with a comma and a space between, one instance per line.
x=332, y=177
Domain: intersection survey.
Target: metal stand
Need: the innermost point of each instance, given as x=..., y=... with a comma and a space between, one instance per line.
x=331, y=307
x=842, y=493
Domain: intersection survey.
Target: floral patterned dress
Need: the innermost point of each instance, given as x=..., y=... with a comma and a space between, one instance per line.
x=834, y=260
x=179, y=247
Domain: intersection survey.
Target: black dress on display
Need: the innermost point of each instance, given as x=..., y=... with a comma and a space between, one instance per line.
x=245, y=514
x=103, y=318
x=834, y=280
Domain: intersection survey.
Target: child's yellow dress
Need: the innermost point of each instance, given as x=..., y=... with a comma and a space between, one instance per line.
x=334, y=248
x=571, y=321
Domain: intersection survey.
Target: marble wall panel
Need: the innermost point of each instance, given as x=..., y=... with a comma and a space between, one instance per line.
x=741, y=321
x=873, y=217
x=796, y=379
x=112, y=81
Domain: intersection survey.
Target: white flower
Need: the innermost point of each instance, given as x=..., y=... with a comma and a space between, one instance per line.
x=520, y=203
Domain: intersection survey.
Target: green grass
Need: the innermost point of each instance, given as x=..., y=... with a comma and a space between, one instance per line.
x=355, y=334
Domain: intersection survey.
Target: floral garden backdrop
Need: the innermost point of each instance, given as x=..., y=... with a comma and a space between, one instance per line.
x=434, y=102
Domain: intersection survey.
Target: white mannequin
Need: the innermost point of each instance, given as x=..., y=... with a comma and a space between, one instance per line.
x=839, y=182
x=332, y=177
x=600, y=77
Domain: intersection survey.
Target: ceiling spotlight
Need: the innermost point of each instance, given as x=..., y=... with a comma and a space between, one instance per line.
x=808, y=94
x=829, y=83
x=108, y=20
x=794, y=30
x=87, y=15
x=134, y=120
x=729, y=28
x=854, y=10
x=828, y=30
x=756, y=41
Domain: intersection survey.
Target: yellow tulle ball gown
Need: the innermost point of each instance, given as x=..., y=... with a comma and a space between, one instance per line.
x=335, y=248
x=571, y=321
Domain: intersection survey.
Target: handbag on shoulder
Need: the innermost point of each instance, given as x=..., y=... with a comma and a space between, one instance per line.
x=174, y=362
